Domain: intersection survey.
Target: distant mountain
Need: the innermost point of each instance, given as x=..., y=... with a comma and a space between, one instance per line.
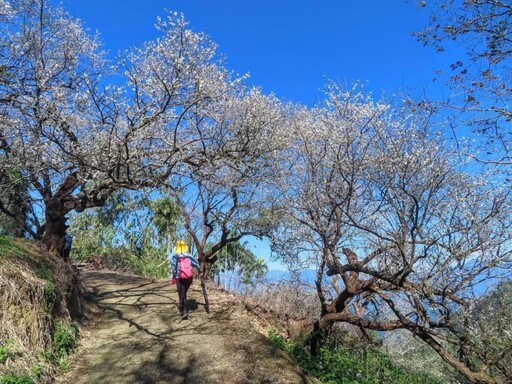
x=307, y=276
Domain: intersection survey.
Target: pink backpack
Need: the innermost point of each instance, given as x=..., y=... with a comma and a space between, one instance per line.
x=184, y=268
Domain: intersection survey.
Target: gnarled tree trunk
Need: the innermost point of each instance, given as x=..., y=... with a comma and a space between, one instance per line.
x=55, y=226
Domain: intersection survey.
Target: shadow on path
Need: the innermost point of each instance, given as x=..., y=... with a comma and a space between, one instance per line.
x=140, y=338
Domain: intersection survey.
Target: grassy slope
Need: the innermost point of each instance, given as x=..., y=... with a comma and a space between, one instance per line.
x=36, y=292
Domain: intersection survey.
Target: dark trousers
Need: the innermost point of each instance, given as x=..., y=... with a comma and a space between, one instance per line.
x=183, y=285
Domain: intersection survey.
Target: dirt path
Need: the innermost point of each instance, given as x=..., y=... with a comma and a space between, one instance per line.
x=140, y=338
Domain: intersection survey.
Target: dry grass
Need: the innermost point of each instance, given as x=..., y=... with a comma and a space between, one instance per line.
x=35, y=292
x=282, y=307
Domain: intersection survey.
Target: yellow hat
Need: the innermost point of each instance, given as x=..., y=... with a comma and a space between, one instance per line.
x=181, y=247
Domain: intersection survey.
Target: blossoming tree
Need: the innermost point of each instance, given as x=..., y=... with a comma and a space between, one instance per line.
x=78, y=129
x=226, y=199
x=409, y=239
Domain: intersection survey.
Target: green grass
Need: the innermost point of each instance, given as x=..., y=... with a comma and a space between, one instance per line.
x=64, y=341
x=9, y=248
x=20, y=250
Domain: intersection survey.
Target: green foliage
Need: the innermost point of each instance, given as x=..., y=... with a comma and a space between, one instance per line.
x=64, y=341
x=149, y=261
x=65, y=337
x=50, y=293
x=33, y=301
x=130, y=232
x=166, y=215
x=41, y=267
x=6, y=350
x=15, y=378
x=348, y=363
x=277, y=339
x=14, y=249
x=489, y=333
x=237, y=256
x=37, y=370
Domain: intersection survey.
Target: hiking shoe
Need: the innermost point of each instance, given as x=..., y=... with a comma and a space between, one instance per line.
x=184, y=316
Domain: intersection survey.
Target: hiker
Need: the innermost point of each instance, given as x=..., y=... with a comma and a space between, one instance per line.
x=182, y=274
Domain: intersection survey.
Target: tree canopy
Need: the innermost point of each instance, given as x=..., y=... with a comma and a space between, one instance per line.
x=78, y=138
x=380, y=203
x=370, y=193
x=480, y=80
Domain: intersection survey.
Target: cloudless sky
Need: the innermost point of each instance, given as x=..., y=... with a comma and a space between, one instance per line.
x=290, y=47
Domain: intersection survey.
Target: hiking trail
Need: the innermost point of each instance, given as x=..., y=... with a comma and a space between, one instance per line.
x=139, y=337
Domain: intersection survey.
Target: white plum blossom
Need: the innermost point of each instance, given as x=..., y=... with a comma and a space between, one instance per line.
x=76, y=139
x=375, y=196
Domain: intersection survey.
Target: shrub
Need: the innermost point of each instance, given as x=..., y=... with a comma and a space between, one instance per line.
x=6, y=350
x=351, y=363
x=14, y=378
x=64, y=340
x=277, y=340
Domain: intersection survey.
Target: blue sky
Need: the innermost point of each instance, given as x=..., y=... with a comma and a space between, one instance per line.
x=290, y=48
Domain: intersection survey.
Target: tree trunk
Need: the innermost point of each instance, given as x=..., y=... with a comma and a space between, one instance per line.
x=55, y=227
x=317, y=337
x=474, y=377
x=205, y=295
